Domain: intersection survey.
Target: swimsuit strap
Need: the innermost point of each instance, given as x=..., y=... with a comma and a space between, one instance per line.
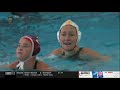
x=78, y=51
x=35, y=65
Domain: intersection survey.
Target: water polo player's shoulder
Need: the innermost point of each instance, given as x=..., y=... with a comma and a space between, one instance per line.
x=57, y=52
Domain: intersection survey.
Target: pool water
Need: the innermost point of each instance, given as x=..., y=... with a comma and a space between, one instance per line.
x=100, y=32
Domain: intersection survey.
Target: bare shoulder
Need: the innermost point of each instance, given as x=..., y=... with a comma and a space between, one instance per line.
x=57, y=52
x=13, y=65
x=89, y=51
x=44, y=67
x=84, y=50
x=94, y=54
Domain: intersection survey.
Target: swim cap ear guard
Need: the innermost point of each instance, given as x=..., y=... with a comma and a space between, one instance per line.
x=36, y=45
x=69, y=22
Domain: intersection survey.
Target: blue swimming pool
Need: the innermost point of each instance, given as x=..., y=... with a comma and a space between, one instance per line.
x=100, y=32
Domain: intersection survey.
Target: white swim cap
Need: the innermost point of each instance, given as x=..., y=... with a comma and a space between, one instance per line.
x=69, y=22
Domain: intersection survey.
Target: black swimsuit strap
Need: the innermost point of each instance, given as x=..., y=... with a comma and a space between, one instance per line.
x=35, y=65
x=78, y=51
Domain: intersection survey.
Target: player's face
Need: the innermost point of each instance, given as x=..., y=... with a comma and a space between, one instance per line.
x=24, y=49
x=68, y=37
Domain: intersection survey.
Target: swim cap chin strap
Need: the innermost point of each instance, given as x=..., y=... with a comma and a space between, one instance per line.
x=20, y=65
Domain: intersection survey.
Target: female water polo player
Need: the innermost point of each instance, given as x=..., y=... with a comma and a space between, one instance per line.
x=26, y=52
x=69, y=35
